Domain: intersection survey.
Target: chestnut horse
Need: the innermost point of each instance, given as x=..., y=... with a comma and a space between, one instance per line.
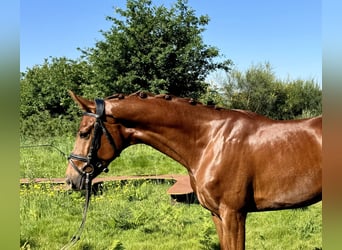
x=238, y=161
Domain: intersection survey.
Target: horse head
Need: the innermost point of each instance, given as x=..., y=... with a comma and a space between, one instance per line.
x=99, y=140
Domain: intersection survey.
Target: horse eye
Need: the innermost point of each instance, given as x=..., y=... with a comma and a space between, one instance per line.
x=84, y=135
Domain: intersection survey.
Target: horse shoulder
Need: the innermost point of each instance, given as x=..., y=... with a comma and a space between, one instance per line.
x=224, y=168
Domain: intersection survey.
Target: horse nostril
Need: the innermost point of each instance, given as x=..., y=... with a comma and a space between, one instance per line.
x=68, y=182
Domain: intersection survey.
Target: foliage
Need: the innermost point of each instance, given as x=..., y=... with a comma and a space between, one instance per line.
x=155, y=49
x=260, y=91
x=46, y=109
x=42, y=126
x=45, y=87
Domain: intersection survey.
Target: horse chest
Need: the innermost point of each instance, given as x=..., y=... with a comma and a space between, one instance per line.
x=211, y=188
x=207, y=199
x=217, y=188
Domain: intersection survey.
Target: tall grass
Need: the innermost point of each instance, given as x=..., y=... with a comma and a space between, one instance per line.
x=38, y=160
x=139, y=215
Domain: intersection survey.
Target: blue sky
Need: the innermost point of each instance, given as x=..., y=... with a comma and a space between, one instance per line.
x=285, y=33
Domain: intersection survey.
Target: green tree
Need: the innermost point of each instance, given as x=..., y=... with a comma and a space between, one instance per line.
x=155, y=49
x=260, y=91
x=252, y=90
x=44, y=101
x=303, y=99
x=45, y=87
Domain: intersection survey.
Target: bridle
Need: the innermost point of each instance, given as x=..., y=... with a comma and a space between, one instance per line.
x=92, y=163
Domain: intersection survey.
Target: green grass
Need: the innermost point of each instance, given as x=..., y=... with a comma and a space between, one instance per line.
x=43, y=161
x=48, y=162
x=142, y=160
x=139, y=214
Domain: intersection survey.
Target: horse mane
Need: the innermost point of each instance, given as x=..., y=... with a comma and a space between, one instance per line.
x=169, y=97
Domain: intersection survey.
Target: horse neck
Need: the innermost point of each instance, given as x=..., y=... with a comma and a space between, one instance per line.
x=171, y=127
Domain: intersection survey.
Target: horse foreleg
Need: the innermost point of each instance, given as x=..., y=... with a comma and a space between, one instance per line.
x=232, y=230
x=218, y=224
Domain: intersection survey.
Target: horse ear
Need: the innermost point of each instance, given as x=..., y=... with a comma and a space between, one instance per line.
x=84, y=104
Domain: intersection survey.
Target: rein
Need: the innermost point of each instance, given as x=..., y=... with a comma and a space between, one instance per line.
x=77, y=236
x=91, y=163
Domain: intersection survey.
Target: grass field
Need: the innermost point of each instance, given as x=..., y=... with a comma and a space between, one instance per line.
x=139, y=214
x=49, y=163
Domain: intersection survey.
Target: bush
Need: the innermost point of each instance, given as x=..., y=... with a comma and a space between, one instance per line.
x=42, y=125
x=259, y=90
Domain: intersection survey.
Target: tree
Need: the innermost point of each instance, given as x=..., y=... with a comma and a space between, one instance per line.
x=252, y=90
x=44, y=88
x=45, y=106
x=303, y=99
x=260, y=91
x=155, y=49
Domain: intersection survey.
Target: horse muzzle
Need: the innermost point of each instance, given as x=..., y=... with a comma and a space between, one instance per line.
x=76, y=183
x=76, y=180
